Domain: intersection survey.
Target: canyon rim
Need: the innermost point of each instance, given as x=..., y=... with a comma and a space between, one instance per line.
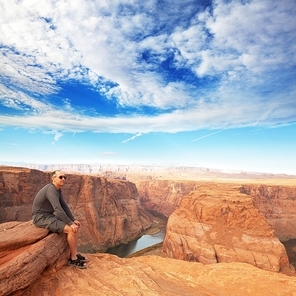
x=117, y=210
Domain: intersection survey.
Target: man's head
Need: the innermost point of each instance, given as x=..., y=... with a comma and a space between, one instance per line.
x=58, y=179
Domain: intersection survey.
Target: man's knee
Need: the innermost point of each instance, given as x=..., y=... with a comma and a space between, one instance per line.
x=67, y=229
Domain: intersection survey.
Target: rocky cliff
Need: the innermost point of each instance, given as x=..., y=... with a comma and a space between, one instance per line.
x=208, y=222
x=32, y=263
x=18, y=187
x=109, y=210
x=278, y=205
x=164, y=196
x=25, y=252
x=216, y=223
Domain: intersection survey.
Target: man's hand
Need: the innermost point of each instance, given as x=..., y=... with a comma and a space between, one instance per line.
x=76, y=222
x=74, y=227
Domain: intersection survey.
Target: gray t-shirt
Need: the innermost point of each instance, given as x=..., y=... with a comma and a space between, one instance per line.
x=49, y=200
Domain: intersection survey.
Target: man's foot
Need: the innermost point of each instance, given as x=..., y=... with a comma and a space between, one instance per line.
x=82, y=258
x=77, y=263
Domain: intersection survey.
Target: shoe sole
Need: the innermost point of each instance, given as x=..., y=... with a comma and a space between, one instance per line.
x=77, y=266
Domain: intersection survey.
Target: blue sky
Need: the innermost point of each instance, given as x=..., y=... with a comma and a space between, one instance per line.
x=173, y=83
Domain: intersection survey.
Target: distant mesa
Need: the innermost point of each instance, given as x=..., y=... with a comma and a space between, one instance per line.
x=135, y=172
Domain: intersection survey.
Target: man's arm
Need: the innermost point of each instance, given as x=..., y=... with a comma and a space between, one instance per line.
x=66, y=208
x=53, y=197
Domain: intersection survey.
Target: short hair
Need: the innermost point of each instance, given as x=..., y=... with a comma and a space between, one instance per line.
x=54, y=173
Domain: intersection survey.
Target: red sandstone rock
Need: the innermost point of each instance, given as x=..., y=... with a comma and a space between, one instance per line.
x=164, y=196
x=278, y=205
x=108, y=275
x=18, y=187
x=218, y=223
x=37, y=268
x=109, y=210
x=15, y=235
x=25, y=252
x=221, y=225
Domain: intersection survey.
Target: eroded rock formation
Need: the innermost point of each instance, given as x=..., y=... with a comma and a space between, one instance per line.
x=25, y=252
x=109, y=275
x=218, y=224
x=109, y=210
x=214, y=223
x=278, y=205
x=164, y=196
x=18, y=187
x=33, y=264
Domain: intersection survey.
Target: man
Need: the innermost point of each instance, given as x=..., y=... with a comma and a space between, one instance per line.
x=51, y=211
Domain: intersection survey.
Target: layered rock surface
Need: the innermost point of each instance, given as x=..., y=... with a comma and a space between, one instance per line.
x=109, y=210
x=109, y=275
x=164, y=196
x=33, y=264
x=216, y=223
x=25, y=252
x=278, y=205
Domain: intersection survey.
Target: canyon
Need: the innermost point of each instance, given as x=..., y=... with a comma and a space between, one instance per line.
x=35, y=265
x=108, y=209
x=216, y=223
x=223, y=237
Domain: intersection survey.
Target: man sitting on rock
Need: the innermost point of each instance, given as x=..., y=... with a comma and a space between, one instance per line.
x=51, y=211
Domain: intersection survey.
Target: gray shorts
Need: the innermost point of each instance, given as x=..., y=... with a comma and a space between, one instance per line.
x=51, y=222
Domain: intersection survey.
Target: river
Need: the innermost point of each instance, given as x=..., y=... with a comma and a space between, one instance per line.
x=143, y=242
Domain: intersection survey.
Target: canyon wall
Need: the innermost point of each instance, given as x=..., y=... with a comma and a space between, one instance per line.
x=32, y=263
x=109, y=210
x=18, y=187
x=164, y=196
x=209, y=222
x=217, y=223
x=278, y=205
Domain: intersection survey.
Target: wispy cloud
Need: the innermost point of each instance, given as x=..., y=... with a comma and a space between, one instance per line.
x=57, y=136
x=132, y=138
x=227, y=115
x=208, y=135
x=231, y=64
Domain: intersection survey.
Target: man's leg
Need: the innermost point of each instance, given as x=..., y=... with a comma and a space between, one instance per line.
x=72, y=238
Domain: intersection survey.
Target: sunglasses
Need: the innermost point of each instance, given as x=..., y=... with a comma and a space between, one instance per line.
x=61, y=177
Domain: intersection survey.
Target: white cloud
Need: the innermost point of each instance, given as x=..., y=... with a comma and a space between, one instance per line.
x=57, y=136
x=230, y=112
x=242, y=46
x=259, y=35
x=19, y=100
x=208, y=135
x=133, y=137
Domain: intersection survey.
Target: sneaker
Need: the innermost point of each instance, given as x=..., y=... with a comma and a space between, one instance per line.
x=77, y=263
x=82, y=258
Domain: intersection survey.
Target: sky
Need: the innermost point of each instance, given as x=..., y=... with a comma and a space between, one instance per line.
x=203, y=83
